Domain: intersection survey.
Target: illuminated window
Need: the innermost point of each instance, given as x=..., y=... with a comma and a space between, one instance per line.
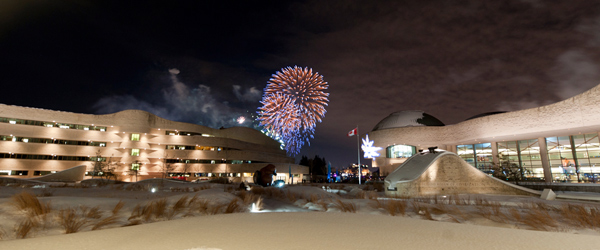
x=12, y=122
x=400, y=151
x=477, y=155
x=135, y=152
x=135, y=166
x=135, y=137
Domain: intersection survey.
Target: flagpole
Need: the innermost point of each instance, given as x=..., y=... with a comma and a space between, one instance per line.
x=358, y=149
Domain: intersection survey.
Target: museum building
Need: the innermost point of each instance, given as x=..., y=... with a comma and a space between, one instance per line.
x=556, y=142
x=139, y=145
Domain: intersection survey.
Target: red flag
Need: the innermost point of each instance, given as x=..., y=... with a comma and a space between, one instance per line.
x=353, y=132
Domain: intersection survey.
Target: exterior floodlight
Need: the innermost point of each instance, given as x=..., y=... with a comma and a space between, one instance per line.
x=278, y=183
x=254, y=208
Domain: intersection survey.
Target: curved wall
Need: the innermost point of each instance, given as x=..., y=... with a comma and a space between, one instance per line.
x=224, y=145
x=577, y=115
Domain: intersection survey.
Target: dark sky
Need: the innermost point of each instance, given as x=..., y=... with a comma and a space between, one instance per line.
x=207, y=62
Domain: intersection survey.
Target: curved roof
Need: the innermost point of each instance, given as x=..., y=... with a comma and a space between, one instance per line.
x=410, y=118
x=485, y=114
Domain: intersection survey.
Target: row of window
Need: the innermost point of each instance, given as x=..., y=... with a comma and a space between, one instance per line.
x=25, y=172
x=571, y=158
x=209, y=174
x=206, y=148
x=211, y=161
x=171, y=132
x=51, y=157
x=51, y=124
x=51, y=141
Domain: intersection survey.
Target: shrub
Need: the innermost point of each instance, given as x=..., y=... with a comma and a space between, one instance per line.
x=70, y=221
x=581, y=216
x=24, y=228
x=105, y=222
x=118, y=207
x=233, y=206
x=178, y=207
x=539, y=219
x=27, y=202
x=91, y=213
x=345, y=207
x=393, y=207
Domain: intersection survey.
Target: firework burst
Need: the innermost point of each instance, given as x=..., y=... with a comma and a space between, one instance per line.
x=293, y=102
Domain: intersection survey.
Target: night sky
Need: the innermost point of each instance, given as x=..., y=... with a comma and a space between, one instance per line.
x=207, y=62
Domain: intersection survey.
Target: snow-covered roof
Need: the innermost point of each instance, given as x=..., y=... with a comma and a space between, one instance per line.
x=409, y=118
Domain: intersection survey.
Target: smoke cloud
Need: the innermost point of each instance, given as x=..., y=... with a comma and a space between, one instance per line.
x=575, y=72
x=180, y=102
x=251, y=95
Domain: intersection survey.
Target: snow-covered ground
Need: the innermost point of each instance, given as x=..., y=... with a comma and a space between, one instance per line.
x=295, y=217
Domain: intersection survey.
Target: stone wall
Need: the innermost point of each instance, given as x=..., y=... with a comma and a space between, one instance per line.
x=449, y=174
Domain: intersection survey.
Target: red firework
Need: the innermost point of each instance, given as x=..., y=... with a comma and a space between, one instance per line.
x=293, y=102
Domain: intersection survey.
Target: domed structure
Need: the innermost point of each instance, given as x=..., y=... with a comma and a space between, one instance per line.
x=412, y=118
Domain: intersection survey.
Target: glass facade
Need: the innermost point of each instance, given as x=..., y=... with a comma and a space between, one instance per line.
x=574, y=158
x=587, y=151
x=560, y=157
x=522, y=158
x=478, y=155
x=467, y=153
x=400, y=151
x=531, y=160
x=484, y=158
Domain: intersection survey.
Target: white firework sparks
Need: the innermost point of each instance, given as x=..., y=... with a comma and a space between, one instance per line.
x=241, y=119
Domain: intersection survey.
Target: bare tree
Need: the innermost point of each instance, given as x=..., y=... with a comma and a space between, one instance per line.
x=186, y=167
x=166, y=167
x=97, y=166
x=135, y=169
x=108, y=169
